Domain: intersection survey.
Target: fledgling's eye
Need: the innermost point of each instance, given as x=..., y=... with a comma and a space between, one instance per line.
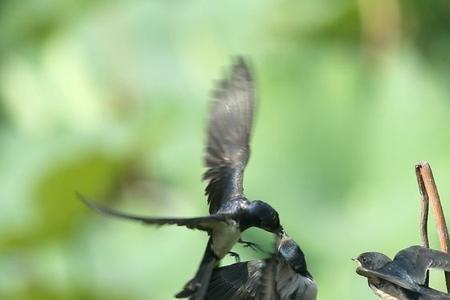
x=364, y=259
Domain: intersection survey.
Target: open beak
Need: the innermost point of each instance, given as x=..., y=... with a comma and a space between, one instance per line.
x=355, y=259
x=280, y=232
x=284, y=238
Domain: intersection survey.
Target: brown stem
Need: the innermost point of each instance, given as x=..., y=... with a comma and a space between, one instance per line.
x=431, y=190
x=424, y=207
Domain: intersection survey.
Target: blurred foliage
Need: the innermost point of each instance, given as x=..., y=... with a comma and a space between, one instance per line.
x=109, y=98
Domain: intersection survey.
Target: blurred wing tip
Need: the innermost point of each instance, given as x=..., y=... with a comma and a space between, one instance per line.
x=83, y=199
x=90, y=204
x=240, y=71
x=241, y=67
x=239, y=61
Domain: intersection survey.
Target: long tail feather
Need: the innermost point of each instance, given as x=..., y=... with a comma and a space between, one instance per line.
x=196, y=288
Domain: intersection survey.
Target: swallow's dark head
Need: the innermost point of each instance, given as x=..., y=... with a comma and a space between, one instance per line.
x=265, y=217
x=370, y=261
x=289, y=251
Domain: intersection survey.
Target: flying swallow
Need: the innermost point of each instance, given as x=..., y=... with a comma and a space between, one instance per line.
x=284, y=276
x=404, y=277
x=227, y=153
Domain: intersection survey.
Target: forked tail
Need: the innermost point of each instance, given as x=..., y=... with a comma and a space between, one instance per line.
x=196, y=288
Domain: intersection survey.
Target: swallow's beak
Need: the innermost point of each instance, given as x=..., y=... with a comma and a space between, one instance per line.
x=284, y=238
x=356, y=260
x=280, y=232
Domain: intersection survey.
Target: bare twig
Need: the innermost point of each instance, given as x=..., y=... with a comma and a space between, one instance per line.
x=424, y=205
x=427, y=178
x=424, y=208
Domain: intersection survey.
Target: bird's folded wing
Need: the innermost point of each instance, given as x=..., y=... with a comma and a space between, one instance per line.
x=205, y=223
x=427, y=293
x=229, y=129
x=422, y=258
x=392, y=274
x=239, y=281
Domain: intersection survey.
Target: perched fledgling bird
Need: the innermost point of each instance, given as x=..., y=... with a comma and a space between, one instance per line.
x=404, y=277
x=227, y=153
x=284, y=276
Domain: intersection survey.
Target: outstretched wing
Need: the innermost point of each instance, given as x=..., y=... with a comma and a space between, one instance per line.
x=229, y=130
x=206, y=223
x=239, y=281
x=268, y=279
x=418, y=260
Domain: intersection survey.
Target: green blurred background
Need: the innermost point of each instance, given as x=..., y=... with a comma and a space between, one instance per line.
x=110, y=98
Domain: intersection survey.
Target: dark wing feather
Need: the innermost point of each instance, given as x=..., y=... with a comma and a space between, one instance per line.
x=292, y=285
x=268, y=289
x=202, y=223
x=419, y=259
x=239, y=281
x=229, y=130
x=393, y=274
x=287, y=281
x=431, y=294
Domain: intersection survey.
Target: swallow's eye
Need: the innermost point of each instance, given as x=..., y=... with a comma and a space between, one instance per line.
x=363, y=259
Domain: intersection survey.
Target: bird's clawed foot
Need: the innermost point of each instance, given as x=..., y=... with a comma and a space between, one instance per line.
x=236, y=256
x=253, y=246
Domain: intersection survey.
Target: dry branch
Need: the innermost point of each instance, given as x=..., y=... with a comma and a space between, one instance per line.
x=429, y=193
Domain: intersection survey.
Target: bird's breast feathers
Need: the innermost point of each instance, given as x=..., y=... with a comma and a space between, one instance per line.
x=224, y=236
x=387, y=291
x=292, y=285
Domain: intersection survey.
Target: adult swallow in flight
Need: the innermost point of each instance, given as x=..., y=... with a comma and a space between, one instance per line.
x=227, y=153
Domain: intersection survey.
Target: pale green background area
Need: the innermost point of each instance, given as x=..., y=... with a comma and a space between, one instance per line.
x=110, y=98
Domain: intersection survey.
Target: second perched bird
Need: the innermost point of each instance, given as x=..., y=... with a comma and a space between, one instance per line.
x=229, y=130
x=404, y=277
x=284, y=276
